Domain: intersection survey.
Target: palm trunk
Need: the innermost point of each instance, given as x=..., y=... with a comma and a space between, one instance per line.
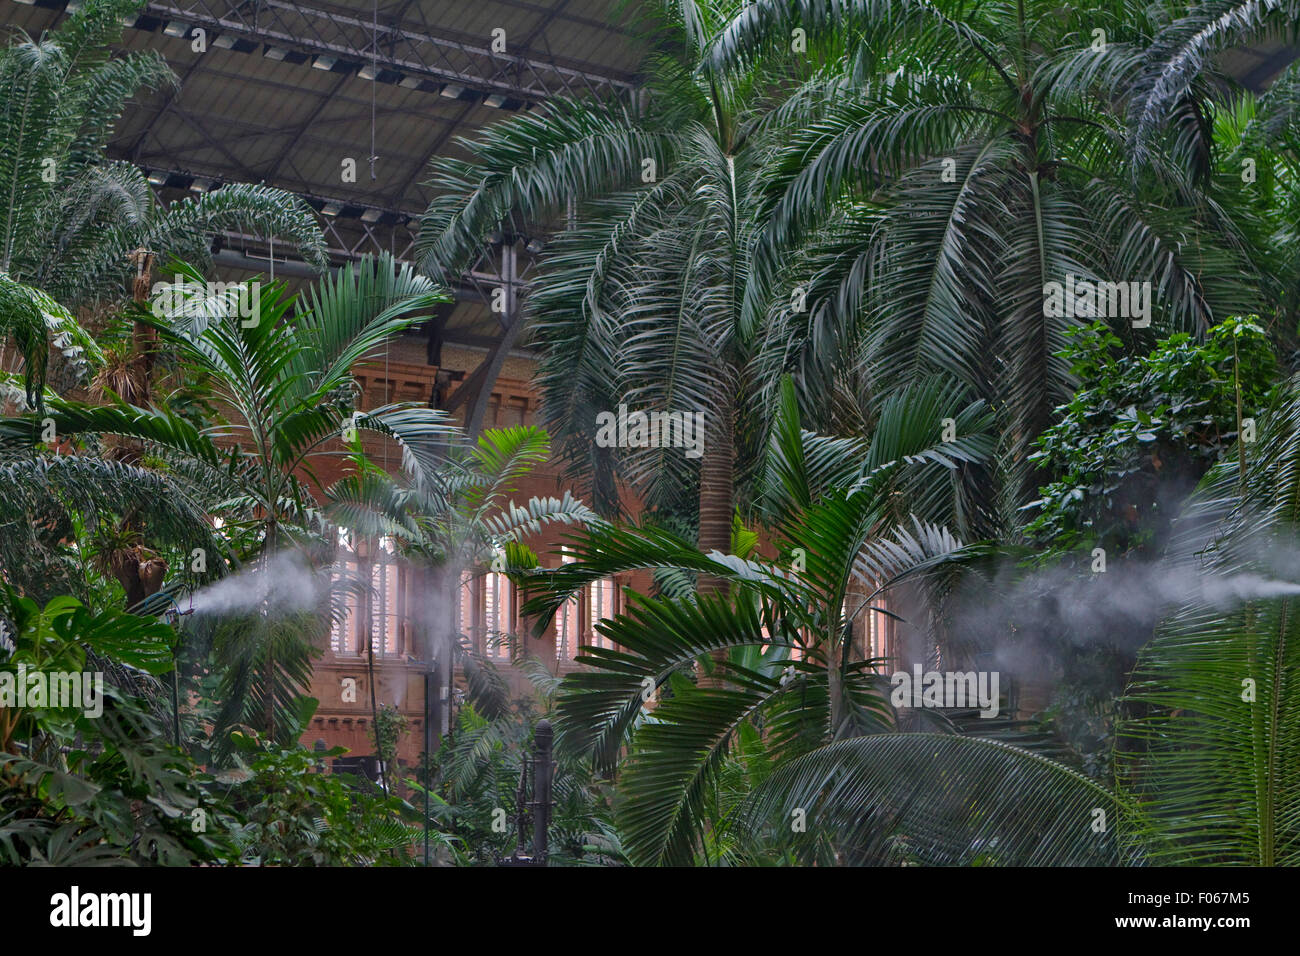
x=717, y=506
x=144, y=346
x=139, y=577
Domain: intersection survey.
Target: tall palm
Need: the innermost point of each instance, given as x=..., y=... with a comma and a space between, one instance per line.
x=280, y=367
x=973, y=155
x=1205, y=753
x=638, y=302
x=783, y=630
x=451, y=520
x=453, y=516
x=69, y=218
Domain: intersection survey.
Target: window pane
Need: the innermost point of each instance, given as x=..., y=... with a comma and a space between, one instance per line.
x=600, y=607
x=498, y=615
x=343, y=632
x=566, y=630
x=880, y=632
x=568, y=622
x=467, y=594
x=383, y=617
x=343, y=579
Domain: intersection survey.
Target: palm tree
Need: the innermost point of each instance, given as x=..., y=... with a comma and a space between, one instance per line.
x=70, y=219
x=1204, y=754
x=782, y=630
x=280, y=370
x=64, y=516
x=449, y=518
x=649, y=298
x=968, y=157
x=1179, y=75
x=1210, y=713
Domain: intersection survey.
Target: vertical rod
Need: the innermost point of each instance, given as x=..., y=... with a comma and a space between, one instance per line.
x=544, y=769
x=176, y=694
x=428, y=746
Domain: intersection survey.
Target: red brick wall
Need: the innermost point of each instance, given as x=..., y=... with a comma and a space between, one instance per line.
x=400, y=682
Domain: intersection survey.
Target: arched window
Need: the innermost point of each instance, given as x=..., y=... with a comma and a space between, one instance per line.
x=576, y=620
x=487, y=612
x=347, y=604
x=368, y=583
x=386, y=598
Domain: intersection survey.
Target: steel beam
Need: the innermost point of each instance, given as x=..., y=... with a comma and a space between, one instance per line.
x=441, y=59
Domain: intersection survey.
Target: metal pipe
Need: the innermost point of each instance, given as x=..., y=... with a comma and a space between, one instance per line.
x=544, y=769
x=234, y=259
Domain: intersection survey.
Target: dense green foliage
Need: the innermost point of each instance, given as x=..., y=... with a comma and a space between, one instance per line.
x=838, y=231
x=482, y=789
x=1137, y=437
x=292, y=813
x=70, y=218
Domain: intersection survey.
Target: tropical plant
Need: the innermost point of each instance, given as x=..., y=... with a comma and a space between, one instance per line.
x=483, y=771
x=451, y=518
x=453, y=514
x=1180, y=73
x=59, y=518
x=32, y=320
x=779, y=640
x=1142, y=429
x=280, y=367
x=69, y=218
x=969, y=157
x=646, y=299
x=294, y=813
x=1205, y=746
x=91, y=782
x=1210, y=742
